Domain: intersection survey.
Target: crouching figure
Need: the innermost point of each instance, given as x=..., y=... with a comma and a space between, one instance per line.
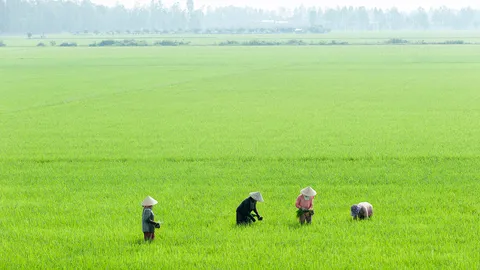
x=244, y=210
x=362, y=210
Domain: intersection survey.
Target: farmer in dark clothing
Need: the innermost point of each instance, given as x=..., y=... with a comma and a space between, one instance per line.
x=148, y=221
x=362, y=210
x=248, y=205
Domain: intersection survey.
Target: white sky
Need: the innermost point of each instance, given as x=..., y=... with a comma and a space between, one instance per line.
x=273, y=4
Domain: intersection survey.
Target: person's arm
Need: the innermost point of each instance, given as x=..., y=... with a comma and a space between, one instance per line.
x=256, y=212
x=150, y=219
x=297, y=202
x=311, y=203
x=369, y=211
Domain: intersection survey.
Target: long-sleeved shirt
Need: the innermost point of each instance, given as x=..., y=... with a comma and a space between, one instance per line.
x=247, y=206
x=148, y=221
x=366, y=210
x=302, y=203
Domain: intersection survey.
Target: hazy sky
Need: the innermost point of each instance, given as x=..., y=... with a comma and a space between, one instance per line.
x=272, y=4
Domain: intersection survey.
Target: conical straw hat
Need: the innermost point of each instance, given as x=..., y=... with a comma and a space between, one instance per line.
x=256, y=196
x=149, y=201
x=308, y=191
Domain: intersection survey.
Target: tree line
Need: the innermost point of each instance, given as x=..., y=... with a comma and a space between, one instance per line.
x=49, y=16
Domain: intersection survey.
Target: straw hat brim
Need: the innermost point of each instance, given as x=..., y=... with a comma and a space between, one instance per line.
x=149, y=201
x=256, y=196
x=308, y=191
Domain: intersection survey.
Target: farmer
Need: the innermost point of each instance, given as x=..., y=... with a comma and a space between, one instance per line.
x=148, y=221
x=304, y=204
x=362, y=210
x=248, y=205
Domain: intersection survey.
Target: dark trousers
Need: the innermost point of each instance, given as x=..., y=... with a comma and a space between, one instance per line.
x=148, y=236
x=244, y=219
x=305, y=216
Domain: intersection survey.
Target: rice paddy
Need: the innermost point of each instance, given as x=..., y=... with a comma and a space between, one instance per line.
x=87, y=133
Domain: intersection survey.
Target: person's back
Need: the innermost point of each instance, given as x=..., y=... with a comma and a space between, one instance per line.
x=246, y=206
x=366, y=210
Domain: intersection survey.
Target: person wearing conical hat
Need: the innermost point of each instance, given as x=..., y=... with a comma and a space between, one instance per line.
x=244, y=210
x=148, y=221
x=362, y=210
x=304, y=203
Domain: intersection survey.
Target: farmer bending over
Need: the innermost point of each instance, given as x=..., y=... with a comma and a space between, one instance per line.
x=148, y=221
x=362, y=210
x=248, y=205
x=304, y=204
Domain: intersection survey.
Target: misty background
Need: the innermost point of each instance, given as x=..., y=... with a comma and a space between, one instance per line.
x=47, y=17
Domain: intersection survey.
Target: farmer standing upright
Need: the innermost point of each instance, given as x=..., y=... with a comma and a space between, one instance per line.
x=248, y=205
x=304, y=203
x=148, y=220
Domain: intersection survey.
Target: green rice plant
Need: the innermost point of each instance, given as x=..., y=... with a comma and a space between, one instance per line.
x=87, y=133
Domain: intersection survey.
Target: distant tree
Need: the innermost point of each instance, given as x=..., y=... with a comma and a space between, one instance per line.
x=362, y=20
x=87, y=15
x=16, y=16
x=346, y=18
x=196, y=20
x=119, y=18
x=300, y=16
x=3, y=16
x=77, y=16
x=29, y=35
x=177, y=19
x=330, y=18
x=157, y=15
x=442, y=17
x=379, y=20
x=420, y=19
x=312, y=17
x=465, y=19
x=395, y=20
x=190, y=6
x=190, y=11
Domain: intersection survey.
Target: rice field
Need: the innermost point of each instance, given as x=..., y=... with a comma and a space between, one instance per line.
x=87, y=133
